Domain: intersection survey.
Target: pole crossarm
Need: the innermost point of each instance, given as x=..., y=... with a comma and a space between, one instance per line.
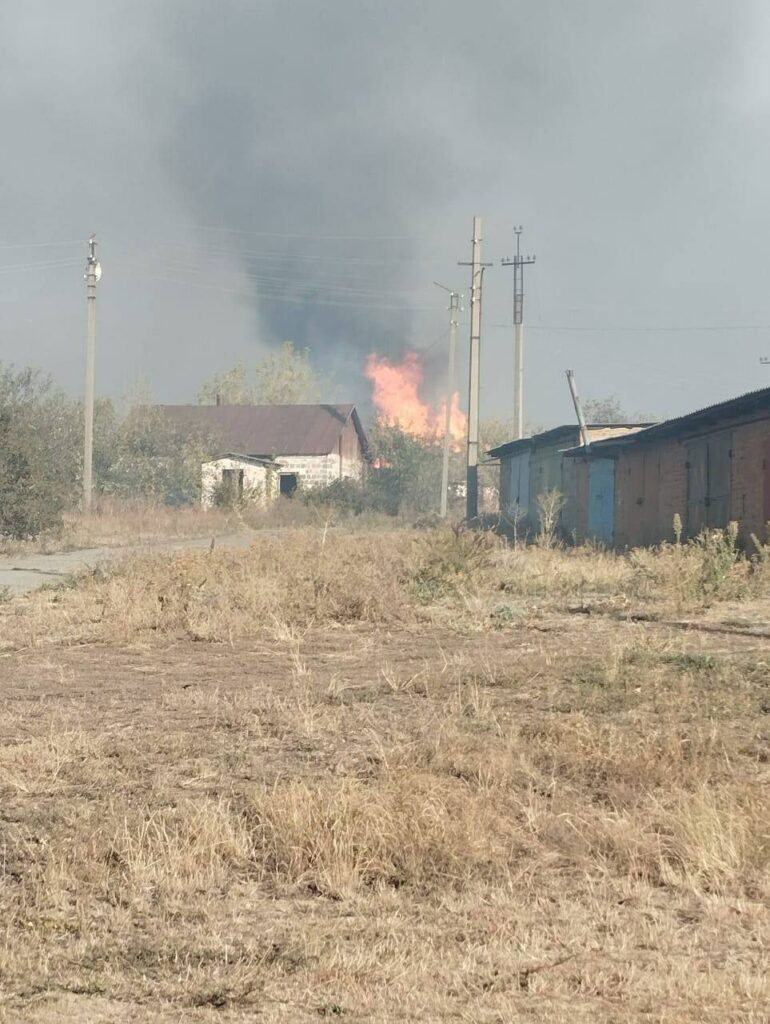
x=518, y=262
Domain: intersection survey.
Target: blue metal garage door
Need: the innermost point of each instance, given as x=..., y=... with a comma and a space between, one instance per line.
x=601, y=499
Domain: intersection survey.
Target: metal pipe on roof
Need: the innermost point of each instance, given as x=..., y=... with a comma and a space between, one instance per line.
x=578, y=408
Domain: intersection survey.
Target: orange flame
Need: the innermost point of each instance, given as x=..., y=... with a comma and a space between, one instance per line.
x=397, y=400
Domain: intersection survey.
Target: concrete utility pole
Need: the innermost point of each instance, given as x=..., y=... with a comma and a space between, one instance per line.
x=92, y=276
x=518, y=263
x=477, y=280
x=578, y=408
x=454, y=313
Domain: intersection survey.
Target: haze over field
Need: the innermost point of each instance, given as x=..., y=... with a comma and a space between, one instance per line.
x=304, y=170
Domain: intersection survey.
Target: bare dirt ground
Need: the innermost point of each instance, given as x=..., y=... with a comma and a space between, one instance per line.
x=559, y=818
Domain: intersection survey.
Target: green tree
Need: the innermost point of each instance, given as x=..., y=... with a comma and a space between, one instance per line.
x=151, y=458
x=231, y=388
x=40, y=458
x=285, y=377
x=494, y=432
x=604, y=410
x=609, y=410
x=406, y=472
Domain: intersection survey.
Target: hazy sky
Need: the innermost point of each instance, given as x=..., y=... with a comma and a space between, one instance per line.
x=266, y=169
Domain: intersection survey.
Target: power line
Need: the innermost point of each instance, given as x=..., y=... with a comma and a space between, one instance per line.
x=40, y=245
x=274, y=297
x=436, y=341
x=69, y=261
x=641, y=330
x=303, y=235
x=291, y=257
x=298, y=293
x=179, y=266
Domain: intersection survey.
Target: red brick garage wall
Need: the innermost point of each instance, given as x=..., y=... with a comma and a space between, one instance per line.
x=626, y=470
x=750, y=451
x=673, y=488
x=650, y=487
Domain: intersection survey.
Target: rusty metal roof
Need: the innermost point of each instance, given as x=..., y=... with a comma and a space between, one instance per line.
x=268, y=430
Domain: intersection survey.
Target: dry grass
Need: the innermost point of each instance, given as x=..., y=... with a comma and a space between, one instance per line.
x=326, y=575
x=416, y=777
x=118, y=523
x=122, y=523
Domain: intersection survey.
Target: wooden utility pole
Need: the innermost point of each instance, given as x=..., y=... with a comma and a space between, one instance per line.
x=454, y=313
x=518, y=263
x=472, y=471
x=92, y=275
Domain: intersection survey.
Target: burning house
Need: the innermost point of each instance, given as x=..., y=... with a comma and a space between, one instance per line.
x=396, y=397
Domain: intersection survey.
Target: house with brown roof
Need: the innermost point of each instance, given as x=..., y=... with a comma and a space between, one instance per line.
x=268, y=450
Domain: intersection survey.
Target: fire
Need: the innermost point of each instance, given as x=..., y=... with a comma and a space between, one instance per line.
x=397, y=400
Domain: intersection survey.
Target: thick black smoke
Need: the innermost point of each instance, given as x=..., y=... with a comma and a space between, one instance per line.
x=258, y=171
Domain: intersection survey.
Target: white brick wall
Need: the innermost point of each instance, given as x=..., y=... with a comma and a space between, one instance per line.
x=311, y=470
x=257, y=479
x=319, y=470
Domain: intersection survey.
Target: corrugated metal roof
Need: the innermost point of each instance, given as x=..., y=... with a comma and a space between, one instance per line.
x=254, y=460
x=268, y=430
x=553, y=436
x=752, y=402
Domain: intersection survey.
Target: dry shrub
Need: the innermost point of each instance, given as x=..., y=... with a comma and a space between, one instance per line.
x=170, y=851
x=432, y=830
x=709, y=568
x=706, y=841
x=303, y=577
x=566, y=573
x=464, y=579
x=50, y=763
x=452, y=562
x=342, y=836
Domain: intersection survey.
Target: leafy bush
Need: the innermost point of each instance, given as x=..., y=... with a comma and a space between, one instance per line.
x=152, y=459
x=405, y=478
x=39, y=453
x=345, y=496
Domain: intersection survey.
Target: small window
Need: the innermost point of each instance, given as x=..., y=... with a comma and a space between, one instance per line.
x=288, y=484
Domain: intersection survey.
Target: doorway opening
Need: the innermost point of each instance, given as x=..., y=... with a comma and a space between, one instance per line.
x=232, y=484
x=288, y=484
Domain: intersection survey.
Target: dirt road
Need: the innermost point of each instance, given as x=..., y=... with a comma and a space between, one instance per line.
x=20, y=574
